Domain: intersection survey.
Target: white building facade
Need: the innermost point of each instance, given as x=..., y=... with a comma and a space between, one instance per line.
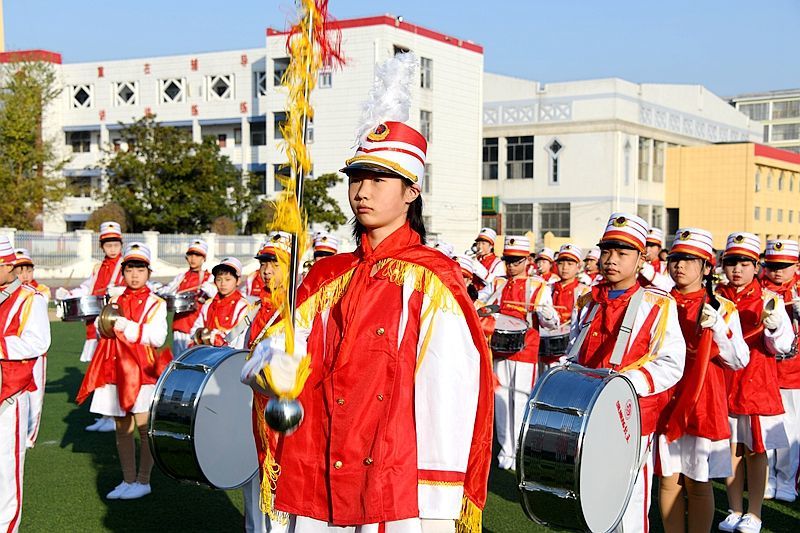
x=779, y=114
x=561, y=157
x=236, y=97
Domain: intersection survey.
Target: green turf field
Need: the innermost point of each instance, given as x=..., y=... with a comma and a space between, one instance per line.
x=70, y=470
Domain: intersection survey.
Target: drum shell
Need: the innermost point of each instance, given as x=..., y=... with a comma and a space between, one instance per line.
x=174, y=415
x=551, y=442
x=81, y=308
x=182, y=302
x=554, y=345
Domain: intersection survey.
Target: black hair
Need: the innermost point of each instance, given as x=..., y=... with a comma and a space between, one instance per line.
x=318, y=255
x=134, y=263
x=217, y=270
x=414, y=217
x=110, y=239
x=732, y=260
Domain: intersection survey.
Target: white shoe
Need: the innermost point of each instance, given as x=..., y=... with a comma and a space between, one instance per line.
x=96, y=425
x=135, y=490
x=785, y=496
x=730, y=522
x=769, y=493
x=108, y=425
x=118, y=491
x=749, y=524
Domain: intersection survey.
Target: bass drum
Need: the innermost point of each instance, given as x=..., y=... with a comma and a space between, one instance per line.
x=579, y=449
x=200, y=427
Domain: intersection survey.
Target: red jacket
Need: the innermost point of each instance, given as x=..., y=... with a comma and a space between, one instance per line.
x=788, y=369
x=183, y=322
x=512, y=304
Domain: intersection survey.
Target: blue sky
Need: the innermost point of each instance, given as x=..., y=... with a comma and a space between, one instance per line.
x=730, y=46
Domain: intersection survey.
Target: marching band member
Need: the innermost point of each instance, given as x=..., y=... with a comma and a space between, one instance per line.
x=23, y=269
x=196, y=279
x=121, y=376
x=396, y=352
x=446, y=248
x=754, y=398
x=225, y=311
x=655, y=245
x=694, y=440
x=528, y=298
x=26, y=336
x=325, y=245
x=484, y=253
x=591, y=272
x=781, y=278
x=545, y=261
x=651, y=353
x=472, y=272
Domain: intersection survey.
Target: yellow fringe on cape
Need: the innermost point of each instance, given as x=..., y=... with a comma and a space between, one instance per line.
x=425, y=281
x=325, y=298
x=270, y=470
x=470, y=519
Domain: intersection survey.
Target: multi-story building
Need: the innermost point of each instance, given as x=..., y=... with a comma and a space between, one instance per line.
x=779, y=114
x=561, y=157
x=734, y=187
x=237, y=98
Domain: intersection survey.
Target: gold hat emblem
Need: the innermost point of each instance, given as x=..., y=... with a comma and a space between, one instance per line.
x=511, y=242
x=324, y=239
x=620, y=222
x=778, y=246
x=379, y=133
x=134, y=247
x=276, y=238
x=738, y=239
x=686, y=235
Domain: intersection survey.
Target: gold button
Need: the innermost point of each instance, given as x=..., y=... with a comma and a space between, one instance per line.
x=380, y=331
x=594, y=334
x=368, y=461
x=340, y=401
x=380, y=397
x=337, y=465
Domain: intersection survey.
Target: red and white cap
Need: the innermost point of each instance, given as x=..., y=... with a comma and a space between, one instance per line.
x=655, y=237
x=136, y=251
x=626, y=229
x=277, y=242
x=467, y=265
x=693, y=241
x=782, y=251
x=446, y=248
x=546, y=253
x=230, y=262
x=593, y=253
x=198, y=246
x=516, y=246
x=110, y=230
x=570, y=251
x=487, y=234
x=744, y=244
x=325, y=242
x=23, y=257
x=392, y=147
x=7, y=255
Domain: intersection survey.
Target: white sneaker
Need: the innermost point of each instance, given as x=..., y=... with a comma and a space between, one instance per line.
x=108, y=425
x=96, y=425
x=730, y=522
x=118, y=491
x=749, y=524
x=135, y=490
x=785, y=496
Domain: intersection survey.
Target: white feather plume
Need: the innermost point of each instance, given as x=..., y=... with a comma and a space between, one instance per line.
x=390, y=97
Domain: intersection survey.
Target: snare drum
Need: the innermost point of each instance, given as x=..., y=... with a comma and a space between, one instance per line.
x=200, y=427
x=508, y=336
x=80, y=308
x=553, y=346
x=579, y=449
x=182, y=302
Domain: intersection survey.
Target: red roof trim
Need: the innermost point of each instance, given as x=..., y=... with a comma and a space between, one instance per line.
x=22, y=56
x=388, y=20
x=776, y=153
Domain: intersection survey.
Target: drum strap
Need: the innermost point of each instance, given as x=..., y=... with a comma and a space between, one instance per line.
x=243, y=324
x=8, y=291
x=576, y=346
x=626, y=328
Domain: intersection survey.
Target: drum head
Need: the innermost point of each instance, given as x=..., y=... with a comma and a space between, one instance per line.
x=223, y=434
x=609, y=455
x=509, y=323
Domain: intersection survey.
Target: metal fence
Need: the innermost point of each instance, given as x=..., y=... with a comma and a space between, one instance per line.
x=172, y=248
x=49, y=249
x=241, y=247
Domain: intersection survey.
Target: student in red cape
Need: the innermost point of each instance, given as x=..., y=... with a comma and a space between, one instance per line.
x=226, y=310
x=484, y=253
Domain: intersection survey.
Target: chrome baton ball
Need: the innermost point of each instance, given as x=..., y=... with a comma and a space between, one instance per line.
x=282, y=415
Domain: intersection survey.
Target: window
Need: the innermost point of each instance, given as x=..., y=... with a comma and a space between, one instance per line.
x=658, y=161
x=279, y=68
x=519, y=157
x=80, y=186
x=769, y=179
x=426, y=179
x=766, y=133
x=554, y=149
x=791, y=183
x=220, y=87
x=787, y=109
x=258, y=134
x=491, y=221
x=172, y=90
x=645, y=146
x=769, y=214
x=757, y=213
x=426, y=73
x=519, y=219
x=790, y=215
x=279, y=118
x=490, y=152
x=81, y=141
x=758, y=179
x=82, y=96
x=309, y=130
x=222, y=140
x=426, y=124
x=325, y=79
x=780, y=215
x=261, y=83
x=281, y=171
x=237, y=136
x=126, y=93
x=643, y=212
x=755, y=111
x=554, y=218
x=785, y=132
x=780, y=181
x=658, y=217
x=258, y=181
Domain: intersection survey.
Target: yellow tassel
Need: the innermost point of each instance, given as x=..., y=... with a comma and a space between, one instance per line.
x=470, y=519
x=270, y=470
x=425, y=281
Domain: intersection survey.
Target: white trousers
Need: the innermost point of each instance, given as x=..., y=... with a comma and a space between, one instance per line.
x=13, y=435
x=635, y=518
x=89, y=346
x=510, y=400
x=302, y=524
x=180, y=343
x=254, y=520
x=783, y=462
x=36, y=399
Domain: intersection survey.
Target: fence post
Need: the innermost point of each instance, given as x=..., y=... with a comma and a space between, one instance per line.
x=151, y=241
x=211, y=240
x=9, y=232
x=85, y=241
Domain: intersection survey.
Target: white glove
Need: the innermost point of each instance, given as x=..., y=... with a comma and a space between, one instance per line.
x=547, y=313
x=584, y=278
x=258, y=360
x=796, y=306
x=115, y=291
x=648, y=272
x=120, y=323
x=709, y=317
x=59, y=311
x=283, y=366
x=62, y=293
x=209, y=288
x=771, y=320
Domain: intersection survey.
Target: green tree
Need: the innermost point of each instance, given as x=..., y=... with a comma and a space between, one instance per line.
x=320, y=208
x=109, y=211
x=30, y=170
x=166, y=182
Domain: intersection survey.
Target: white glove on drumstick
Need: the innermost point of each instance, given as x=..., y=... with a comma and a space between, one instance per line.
x=709, y=318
